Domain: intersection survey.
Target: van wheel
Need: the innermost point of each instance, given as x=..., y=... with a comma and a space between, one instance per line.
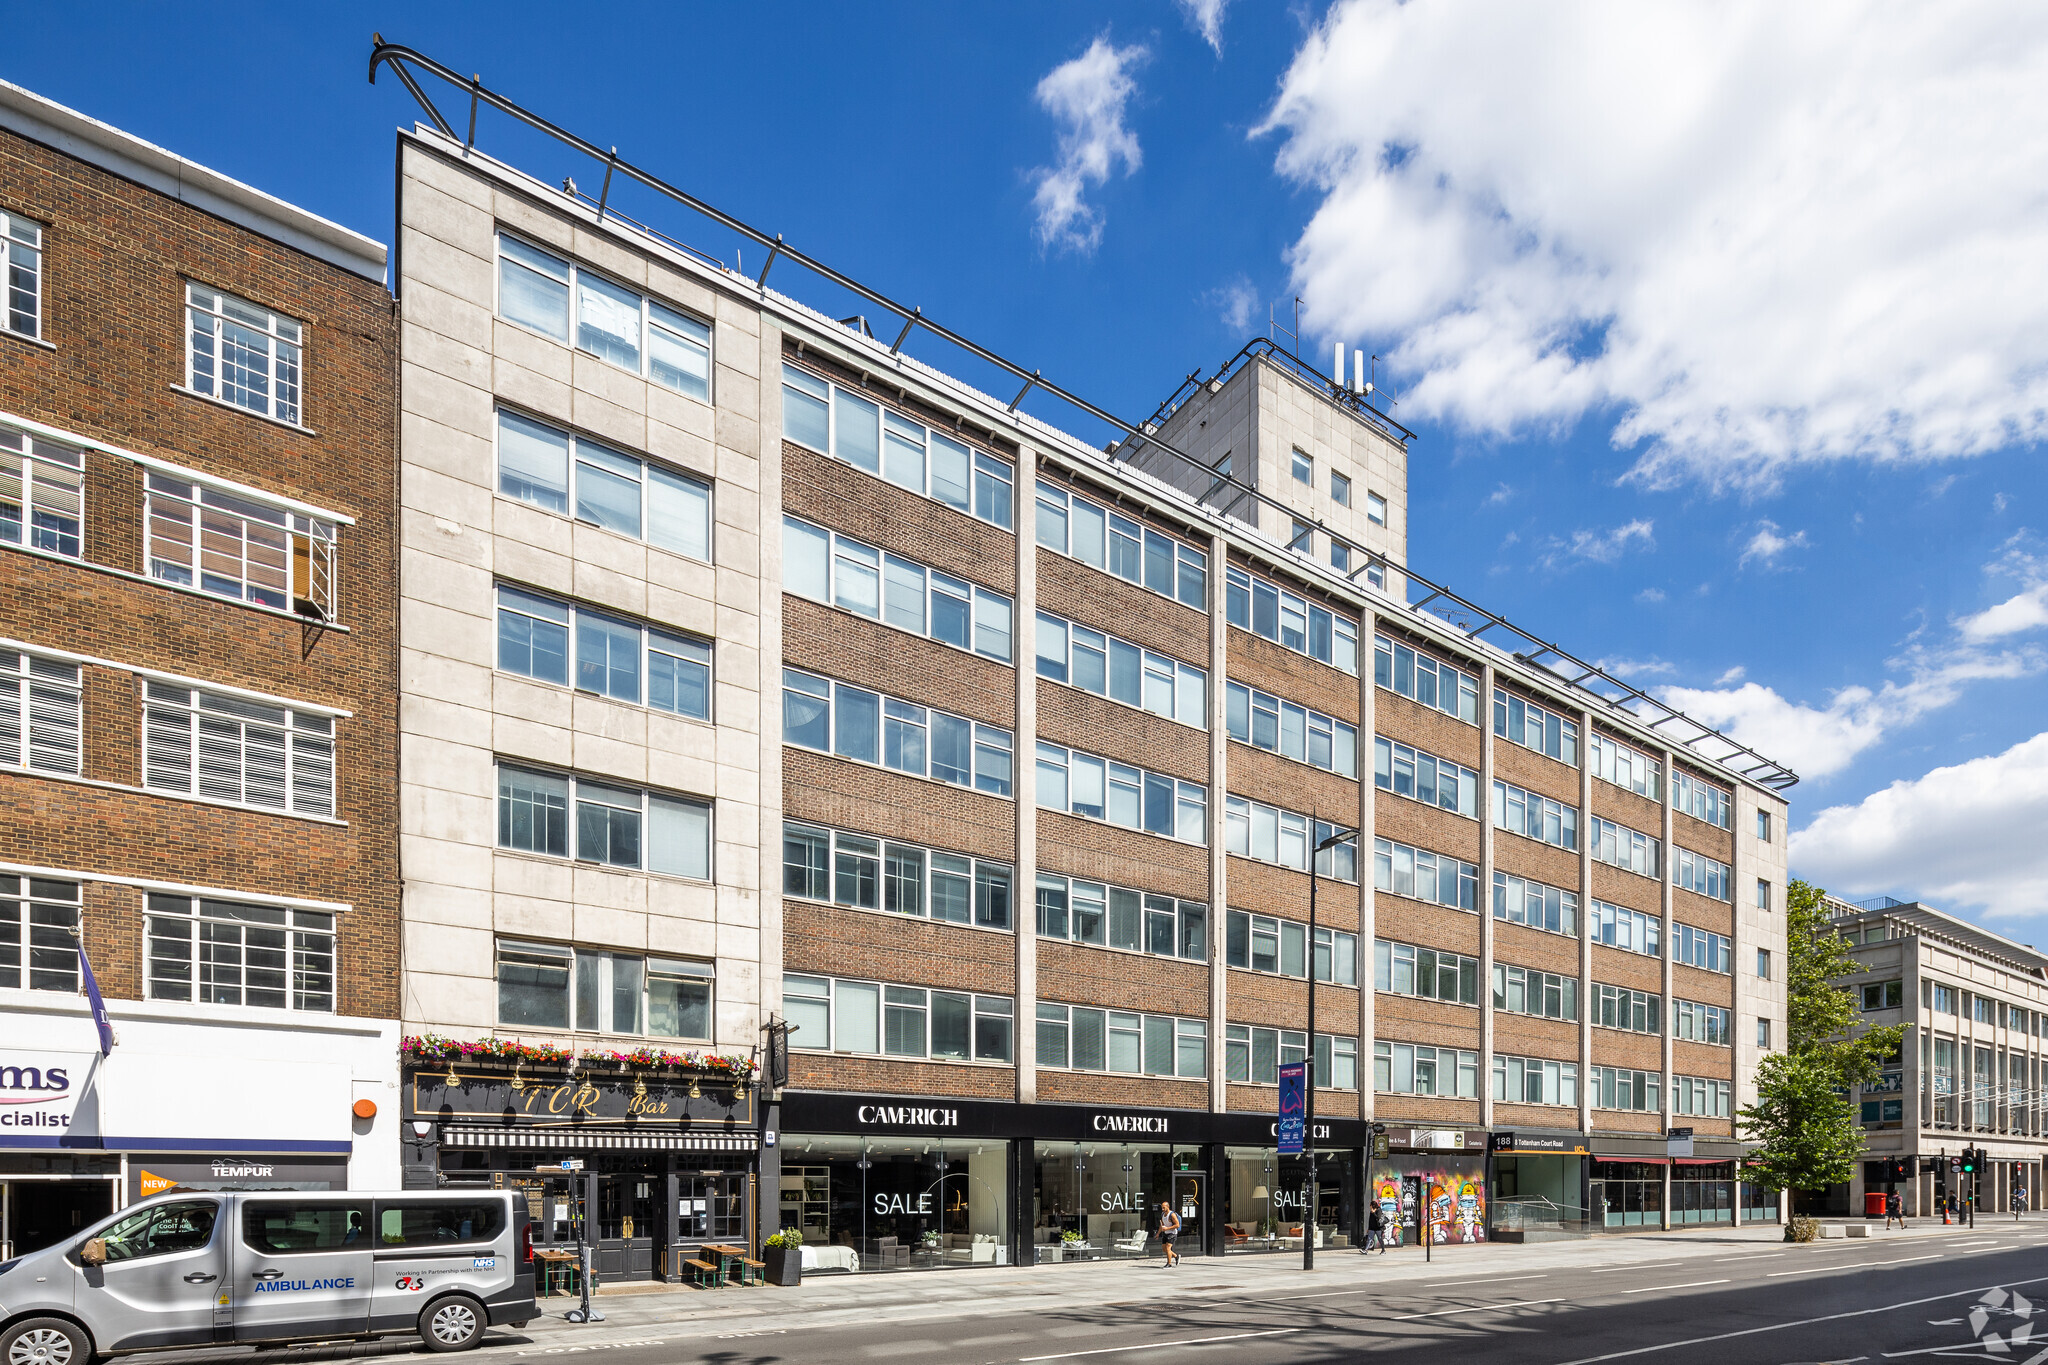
x=455, y=1323
x=45, y=1341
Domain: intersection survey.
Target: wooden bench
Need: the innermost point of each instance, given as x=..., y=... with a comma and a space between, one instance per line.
x=708, y=1276
x=751, y=1271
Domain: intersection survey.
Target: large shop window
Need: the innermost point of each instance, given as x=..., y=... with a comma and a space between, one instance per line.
x=840, y=572
x=832, y=1015
x=1265, y=721
x=849, y=426
x=1081, y=1039
x=1266, y=943
x=38, y=917
x=238, y=751
x=617, y=827
x=851, y=722
x=1091, y=533
x=1253, y=829
x=556, y=296
x=233, y=546
x=1113, y=668
x=1100, y=1201
x=42, y=493
x=1099, y=788
x=557, y=472
x=224, y=953
x=242, y=353
x=1416, y=1069
x=546, y=985
x=613, y=658
x=1627, y=1193
x=874, y=1203
x=1082, y=911
x=1266, y=1196
x=868, y=873
x=42, y=714
x=1290, y=620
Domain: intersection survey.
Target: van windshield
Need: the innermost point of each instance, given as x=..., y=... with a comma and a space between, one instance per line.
x=184, y=1226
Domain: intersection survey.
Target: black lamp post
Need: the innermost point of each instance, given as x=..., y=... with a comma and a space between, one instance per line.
x=1308, y=1131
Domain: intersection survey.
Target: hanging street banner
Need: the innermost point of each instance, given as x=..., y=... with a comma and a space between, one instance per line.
x=1293, y=1107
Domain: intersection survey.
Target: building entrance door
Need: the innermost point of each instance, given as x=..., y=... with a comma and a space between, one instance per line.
x=1189, y=1187
x=630, y=1216
x=38, y=1213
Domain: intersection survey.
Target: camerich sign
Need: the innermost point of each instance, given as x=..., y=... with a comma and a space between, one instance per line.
x=39, y=1096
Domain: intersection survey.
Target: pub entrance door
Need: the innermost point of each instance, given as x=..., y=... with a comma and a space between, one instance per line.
x=1189, y=1187
x=629, y=1221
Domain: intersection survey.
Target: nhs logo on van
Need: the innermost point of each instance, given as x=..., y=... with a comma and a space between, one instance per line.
x=39, y=1093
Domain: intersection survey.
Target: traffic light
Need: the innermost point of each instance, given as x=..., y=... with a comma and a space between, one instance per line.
x=1969, y=1161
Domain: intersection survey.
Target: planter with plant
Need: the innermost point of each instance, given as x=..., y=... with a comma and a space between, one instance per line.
x=783, y=1256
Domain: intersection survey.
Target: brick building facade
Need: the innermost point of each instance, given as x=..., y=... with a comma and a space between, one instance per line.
x=197, y=669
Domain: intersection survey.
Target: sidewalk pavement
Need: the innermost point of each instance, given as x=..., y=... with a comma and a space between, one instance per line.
x=640, y=1311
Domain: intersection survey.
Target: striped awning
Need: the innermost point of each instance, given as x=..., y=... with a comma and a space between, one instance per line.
x=594, y=1138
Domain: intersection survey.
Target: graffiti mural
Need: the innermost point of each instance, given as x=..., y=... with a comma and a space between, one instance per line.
x=1449, y=1190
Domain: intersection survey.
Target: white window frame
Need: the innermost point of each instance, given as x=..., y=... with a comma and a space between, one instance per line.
x=1187, y=686
x=1375, y=509
x=1340, y=488
x=654, y=640
x=1390, y=757
x=183, y=513
x=39, y=920
x=1703, y=949
x=1698, y=1022
x=1557, y=1083
x=1188, y=1039
x=1643, y=1087
x=284, y=352
x=44, y=482
x=1618, y=765
x=983, y=604
x=1631, y=850
x=695, y=542
x=1511, y=904
x=604, y=964
x=1394, y=961
x=980, y=876
x=1057, y=765
x=313, y=933
x=1701, y=875
x=808, y=990
x=1396, y=1059
x=1053, y=515
x=1605, y=922
x=1244, y=706
x=1516, y=810
x=42, y=714
x=188, y=730
x=1247, y=823
x=1515, y=715
x=1388, y=656
x=988, y=741
x=602, y=791
x=1534, y=984
x=649, y=308
x=1294, y=617
x=1390, y=856
x=1185, y=923
x=21, y=259
x=1628, y=1004
x=1700, y=799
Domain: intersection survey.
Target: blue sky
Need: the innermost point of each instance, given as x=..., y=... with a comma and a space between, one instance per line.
x=1723, y=334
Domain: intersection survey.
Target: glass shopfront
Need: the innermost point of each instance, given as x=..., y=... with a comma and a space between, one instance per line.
x=1627, y=1194
x=894, y=1203
x=1100, y=1200
x=1265, y=1199
x=1702, y=1192
x=1758, y=1204
x=1537, y=1193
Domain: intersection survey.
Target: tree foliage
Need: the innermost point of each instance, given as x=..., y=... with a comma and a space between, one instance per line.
x=1803, y=1117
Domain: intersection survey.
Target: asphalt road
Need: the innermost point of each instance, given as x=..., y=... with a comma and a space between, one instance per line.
x=1767, y=1304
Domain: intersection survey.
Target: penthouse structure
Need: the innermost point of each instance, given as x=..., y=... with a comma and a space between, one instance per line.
x=1970, y=1068
x=197, y=659
x=1009, y=762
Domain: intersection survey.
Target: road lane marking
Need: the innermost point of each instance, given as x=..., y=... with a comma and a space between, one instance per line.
x=1754, y=1256
x=1644, y=1265
x=1159, y=1345
x=1501, y=1279
x=1474, y=1308
x=1854, y=1265
x=1653, y=1288
x=1798, y=1322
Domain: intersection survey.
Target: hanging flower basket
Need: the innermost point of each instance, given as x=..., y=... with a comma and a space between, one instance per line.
x=432, y=1047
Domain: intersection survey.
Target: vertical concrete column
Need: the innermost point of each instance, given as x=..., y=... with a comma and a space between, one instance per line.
x=1219, y=786
x=1485, y=895
x=1585, y=910
x=1664, y=863
x=1024, y=910
x=768, y=665
x=1368, y=624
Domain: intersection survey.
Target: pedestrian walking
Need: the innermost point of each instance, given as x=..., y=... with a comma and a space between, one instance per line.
x=1169, y=1229
x=1376, y=1229
x=1894, y=1211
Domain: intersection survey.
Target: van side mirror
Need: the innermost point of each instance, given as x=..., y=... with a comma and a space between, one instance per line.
x=94, y=1252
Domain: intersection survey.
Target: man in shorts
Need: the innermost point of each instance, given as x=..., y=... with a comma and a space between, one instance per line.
x=1169, y=1229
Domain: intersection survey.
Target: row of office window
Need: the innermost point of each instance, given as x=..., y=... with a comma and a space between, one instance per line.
x=1518, y=900
x=1418, y=1069
x=564, y=299
x=851, y=722
x=867, y=873
x=1535, y=727
x=1254, y=1056
x=1698, y=1023
x=1632, y=931
x=614, y=826
x=840, y=422
x=1625, y=848
x=1416, y=676
x=595, y=483
x=1701, y=948
x=1108, y=667
x=42, y=493
x=1080, y=911
x=1426, y=973
x=1703, y=801
x=1290, y=620
x=875, y=1018
x=1535, y=1080
x=1252, y=829
x=1702, y=1097
x=1433, y=781
x=1623, y=1089
x=1264, y=943
x=1542, y=995
x=1072, y=525
x=1615, y=762
x=1078, y=783
x=1077, y=1038
x=613, y=658
x=1267, y=722
x=841, y=572
x=1535, y=817
x=1618, y=1007
x=1697, y=873
x=1425, y=876
x=552, y=986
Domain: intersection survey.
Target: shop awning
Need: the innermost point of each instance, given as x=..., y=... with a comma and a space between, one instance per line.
x=458, y=1136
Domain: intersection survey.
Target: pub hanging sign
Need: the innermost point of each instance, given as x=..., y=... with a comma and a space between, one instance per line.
x=554, y=1099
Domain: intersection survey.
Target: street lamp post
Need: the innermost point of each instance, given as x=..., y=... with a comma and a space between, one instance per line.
x=1308, y=1129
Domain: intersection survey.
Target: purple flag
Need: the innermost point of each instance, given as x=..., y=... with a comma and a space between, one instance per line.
x=99, y=1006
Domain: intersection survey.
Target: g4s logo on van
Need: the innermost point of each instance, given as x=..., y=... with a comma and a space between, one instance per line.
x=413, y=1283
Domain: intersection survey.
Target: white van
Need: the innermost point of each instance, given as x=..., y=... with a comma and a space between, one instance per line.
x=198, y=1268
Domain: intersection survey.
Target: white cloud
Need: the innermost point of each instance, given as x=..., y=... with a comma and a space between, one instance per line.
x=1815, y=741
x=1636, y=668
x=1206, y=18
x=1649, y=597
x=2023, y=612
x=1086, y=96
x=1999, y=502
x=1499, y=496
x=1236, y=303
x=1732, y=676
x=1765, y=233
x=1961, y=836
x=1767, y=544
x=1598, y=547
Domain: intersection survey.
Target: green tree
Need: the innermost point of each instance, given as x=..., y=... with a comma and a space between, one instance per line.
x=1802, y=1117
